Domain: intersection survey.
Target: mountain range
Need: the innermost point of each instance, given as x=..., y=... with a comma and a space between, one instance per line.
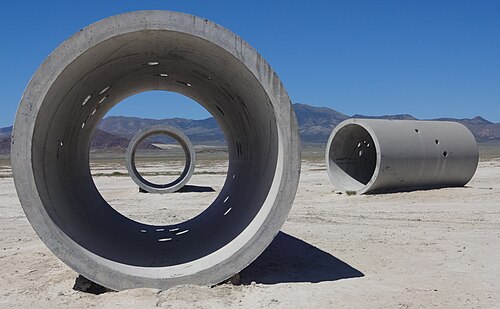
x=315, y=125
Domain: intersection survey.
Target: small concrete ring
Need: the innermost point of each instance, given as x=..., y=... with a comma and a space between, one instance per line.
x=186, y=145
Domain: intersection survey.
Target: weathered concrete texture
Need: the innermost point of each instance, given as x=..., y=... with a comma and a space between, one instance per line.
x=374, y=155
x=189, y=153
x=123, y=55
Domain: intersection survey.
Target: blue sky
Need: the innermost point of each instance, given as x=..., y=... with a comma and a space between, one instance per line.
x=426, y=58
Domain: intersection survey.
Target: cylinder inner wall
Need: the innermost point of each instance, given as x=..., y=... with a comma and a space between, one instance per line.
x=352, y=157
x=131, y=63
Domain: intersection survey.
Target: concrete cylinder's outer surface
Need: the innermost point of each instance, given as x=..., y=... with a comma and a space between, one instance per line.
x=131, y=53
x=187, y=147
x=374, y=155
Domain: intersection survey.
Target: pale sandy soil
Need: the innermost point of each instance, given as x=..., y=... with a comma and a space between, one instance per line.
x=436, y=248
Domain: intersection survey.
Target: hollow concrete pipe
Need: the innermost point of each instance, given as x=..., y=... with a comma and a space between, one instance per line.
x=187, y=147
x=127, y=54
x=371, y=155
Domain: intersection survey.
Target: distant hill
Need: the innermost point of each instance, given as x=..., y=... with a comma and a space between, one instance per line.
x=466, y=121
x=316, y=123
x=390, y=117
x=315, y=126
x=102, y=141
x=5, y=132
x=199, y=131
x=4, y=145
x=105, y=141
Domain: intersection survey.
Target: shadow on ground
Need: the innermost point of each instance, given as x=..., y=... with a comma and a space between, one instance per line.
x=85, y=285
x=187, y=189
x=289, y=259
x=414, y=189
x=286, y=260
x=192, y=188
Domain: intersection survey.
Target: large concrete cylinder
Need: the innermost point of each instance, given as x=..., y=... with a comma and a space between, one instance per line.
x=373, y=155
x=127, y=54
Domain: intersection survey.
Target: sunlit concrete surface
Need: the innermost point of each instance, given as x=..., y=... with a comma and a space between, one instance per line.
x=126, y=54
x=375, y=155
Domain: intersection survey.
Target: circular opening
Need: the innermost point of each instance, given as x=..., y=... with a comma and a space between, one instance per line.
x=158, y=158
x=227, y=77
x=352, y=158
x=189, y=155
x=190, y=159
x=417, y=131
x=445, y=154
x=436, y=141
x=126, y=63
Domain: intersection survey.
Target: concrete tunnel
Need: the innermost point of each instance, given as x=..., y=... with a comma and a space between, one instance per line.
x=379, y=155
x=189, y=155
x=123, y=55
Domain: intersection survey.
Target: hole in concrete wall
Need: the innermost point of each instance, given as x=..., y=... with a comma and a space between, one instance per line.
x=417, y=131
x=239, y=149
x=86, y=99
x=102, y=99
x=220, y=110
x=184, y=83
x=436, y=141
x=159, y=158
x=445, y=154
x=352, y=163
x=105, y=89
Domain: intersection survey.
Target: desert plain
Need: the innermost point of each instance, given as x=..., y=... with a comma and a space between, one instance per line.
x=420, y=249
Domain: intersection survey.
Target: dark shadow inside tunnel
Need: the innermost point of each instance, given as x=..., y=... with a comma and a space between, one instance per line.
x=353, y=152
x=289, y=259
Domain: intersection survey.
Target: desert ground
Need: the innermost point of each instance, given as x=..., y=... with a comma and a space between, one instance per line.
x=420, y=249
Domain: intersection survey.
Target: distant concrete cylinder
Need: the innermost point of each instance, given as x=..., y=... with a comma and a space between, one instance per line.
x=186, y=145
x=373, y=155
x=123, y=55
